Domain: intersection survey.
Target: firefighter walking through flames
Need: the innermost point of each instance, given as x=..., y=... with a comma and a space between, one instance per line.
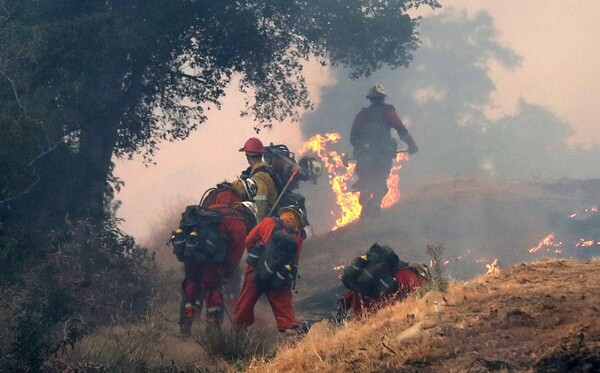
x=375, y=150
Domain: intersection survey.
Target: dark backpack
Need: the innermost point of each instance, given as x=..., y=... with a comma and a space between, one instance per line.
x=275, y=262
x=198, y=239
x=372, y=275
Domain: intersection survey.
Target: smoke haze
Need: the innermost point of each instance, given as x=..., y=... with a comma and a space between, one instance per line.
x=486, y=96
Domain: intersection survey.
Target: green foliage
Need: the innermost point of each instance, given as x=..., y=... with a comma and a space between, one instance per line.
x=83, y=81
x=77, y=287
x=439, y=281
x=236, y=344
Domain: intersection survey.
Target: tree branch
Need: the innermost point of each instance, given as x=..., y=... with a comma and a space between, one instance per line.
x=22, y=193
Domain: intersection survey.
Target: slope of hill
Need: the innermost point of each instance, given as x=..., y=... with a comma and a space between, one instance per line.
x=475, y=221
x=534, y=315
x=542, y=316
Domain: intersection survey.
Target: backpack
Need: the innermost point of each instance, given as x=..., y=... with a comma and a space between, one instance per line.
x=198, y=239
x=210, y=195
x=372, y=275
x=275, y=262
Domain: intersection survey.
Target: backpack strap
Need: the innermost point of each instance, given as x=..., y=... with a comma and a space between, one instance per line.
x=227, y=186
x=281, y=224
x=272, y=174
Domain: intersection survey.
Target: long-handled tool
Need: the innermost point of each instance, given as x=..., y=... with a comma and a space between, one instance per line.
x=296, y=168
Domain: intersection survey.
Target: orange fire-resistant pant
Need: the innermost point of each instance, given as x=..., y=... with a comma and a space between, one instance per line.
x=280, y=301
x=202, y=284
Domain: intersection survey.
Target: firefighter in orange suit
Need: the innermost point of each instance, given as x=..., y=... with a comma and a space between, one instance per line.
x=407, y=280
x=263, y=175
x=204, y=282
x=280, y=299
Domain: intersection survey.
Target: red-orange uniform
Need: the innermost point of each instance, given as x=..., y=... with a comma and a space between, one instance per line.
x=203, y=281
x=280, y=299
x=407, y=281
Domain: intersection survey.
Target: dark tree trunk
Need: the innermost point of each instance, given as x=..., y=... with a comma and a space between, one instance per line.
x=96, y=147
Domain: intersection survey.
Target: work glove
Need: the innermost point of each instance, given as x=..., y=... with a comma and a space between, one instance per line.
x=413, y=148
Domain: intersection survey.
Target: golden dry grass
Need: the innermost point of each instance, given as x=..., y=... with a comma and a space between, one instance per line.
x=516, y=317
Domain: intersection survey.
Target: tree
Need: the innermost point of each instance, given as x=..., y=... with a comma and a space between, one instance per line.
x=83, y=81
x=117, y=77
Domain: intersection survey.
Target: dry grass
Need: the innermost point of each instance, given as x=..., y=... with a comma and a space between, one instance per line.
x=522, y=302
x=236, y=344
x=368, y=346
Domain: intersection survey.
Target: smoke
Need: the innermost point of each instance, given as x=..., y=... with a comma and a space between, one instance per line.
x=445, y=98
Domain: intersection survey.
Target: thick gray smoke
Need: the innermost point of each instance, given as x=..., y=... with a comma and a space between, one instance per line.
x=517, y=159
x=442, y=96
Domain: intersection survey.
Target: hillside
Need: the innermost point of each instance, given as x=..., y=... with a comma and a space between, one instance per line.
x=542, y=316
x=540, y=312
x=476, y=221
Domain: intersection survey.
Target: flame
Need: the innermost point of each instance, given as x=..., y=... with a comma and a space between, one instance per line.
x=393, y=194
x=548, y=241
x=492, y=267
x=584, y=243
x=340, y=176
x=337, y=268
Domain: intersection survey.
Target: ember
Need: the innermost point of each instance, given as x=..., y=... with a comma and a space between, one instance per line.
x=492, y=267
x=548, y=241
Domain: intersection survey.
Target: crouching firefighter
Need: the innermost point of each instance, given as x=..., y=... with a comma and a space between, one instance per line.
x=274, y=247
x=210, y=243
x=377, y=279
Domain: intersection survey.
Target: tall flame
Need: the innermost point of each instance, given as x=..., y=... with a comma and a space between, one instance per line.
x=339, y=176
x=393, y=194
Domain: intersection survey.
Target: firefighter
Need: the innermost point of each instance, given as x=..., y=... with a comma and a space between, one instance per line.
x=208, y=281
x=263, y=175
x=377, y=279
x=276, y=285
x=375, y=150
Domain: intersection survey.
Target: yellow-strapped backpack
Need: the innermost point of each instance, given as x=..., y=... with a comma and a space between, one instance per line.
x=275, y=262
x=198, y=239
x=372, y=275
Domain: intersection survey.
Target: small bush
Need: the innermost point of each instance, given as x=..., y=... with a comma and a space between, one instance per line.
x=235, y=343
x=439, y=281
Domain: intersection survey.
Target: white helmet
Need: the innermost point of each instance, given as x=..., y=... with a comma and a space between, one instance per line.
x=376, y=91
x=249, y=212
x=250, y=187
x=316, y=168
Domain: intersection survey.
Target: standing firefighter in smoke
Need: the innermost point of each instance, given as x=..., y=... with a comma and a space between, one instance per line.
x=375, y=150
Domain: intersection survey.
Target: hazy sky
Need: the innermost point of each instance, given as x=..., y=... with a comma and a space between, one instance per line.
x=559, y=42
x=559, y=50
